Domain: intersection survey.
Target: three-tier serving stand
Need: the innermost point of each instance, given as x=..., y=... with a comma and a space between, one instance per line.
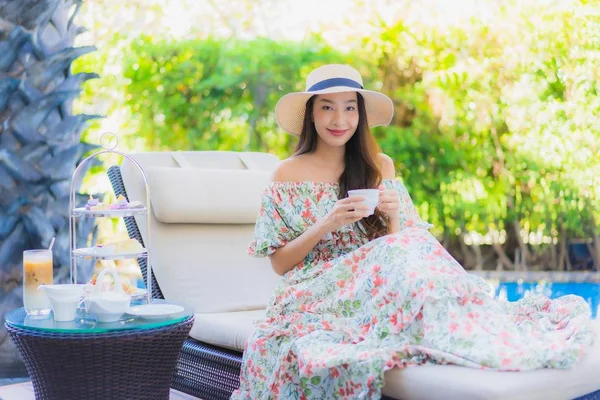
x=81, y=212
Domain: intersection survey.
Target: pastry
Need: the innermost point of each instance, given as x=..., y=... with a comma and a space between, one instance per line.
x=99, y=207
x=128, y=246
x=103, y=250
x=127, y=287
x=92, y=202
x=135, y=204
x=120, y=204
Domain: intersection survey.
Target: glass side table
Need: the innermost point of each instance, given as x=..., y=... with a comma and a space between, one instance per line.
x=132, y=358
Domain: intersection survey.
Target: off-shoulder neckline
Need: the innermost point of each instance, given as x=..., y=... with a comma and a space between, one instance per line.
x=315, y=183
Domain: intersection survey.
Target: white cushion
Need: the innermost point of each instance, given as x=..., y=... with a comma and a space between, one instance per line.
x=204, y=265
x=230, y=330
x=208, y=268
x=434, y=382
x=209, y=196
x=207, y=159
x=453, y=382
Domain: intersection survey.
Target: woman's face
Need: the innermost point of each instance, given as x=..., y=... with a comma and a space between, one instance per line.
x=335, y=117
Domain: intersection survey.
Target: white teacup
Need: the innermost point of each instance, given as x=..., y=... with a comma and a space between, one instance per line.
x=371, y=197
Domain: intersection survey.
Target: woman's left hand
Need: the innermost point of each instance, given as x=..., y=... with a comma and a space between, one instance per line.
x=389, y=202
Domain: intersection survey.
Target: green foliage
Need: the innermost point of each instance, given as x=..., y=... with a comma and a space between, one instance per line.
x=216, y=94
x=500, y=124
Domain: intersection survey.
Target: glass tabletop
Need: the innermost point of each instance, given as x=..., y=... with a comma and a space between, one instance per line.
x=87, y=323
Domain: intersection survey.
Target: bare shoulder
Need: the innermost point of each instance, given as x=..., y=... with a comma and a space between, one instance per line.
x=388, y=170
x=288, y=170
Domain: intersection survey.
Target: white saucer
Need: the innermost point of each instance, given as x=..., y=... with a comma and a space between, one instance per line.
x=150, y=311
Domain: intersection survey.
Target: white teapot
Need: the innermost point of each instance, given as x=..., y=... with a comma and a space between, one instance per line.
x=107, y=306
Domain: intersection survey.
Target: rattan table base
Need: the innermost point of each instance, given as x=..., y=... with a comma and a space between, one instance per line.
x=131, y=365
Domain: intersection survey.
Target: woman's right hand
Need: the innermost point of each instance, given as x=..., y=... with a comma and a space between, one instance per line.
x=345, y=211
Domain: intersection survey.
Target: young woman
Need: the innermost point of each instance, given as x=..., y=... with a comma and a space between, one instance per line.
x=361, y=293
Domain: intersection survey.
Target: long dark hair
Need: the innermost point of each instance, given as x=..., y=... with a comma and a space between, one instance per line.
x=361, y=168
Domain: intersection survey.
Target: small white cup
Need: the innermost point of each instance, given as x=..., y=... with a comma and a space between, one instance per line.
x=371, y=197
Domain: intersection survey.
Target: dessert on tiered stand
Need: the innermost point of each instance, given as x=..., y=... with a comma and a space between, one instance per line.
x=108, y=304
x=128, y=288
x=109, y=284
x=129, y=248
x=119, y=208
x=94, y=206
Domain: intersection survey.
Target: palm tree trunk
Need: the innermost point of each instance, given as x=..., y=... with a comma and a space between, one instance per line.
x=40, y=143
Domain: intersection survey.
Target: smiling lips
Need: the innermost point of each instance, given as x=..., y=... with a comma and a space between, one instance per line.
x=337, y=132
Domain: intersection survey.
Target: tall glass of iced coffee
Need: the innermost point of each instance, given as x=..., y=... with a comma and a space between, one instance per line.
x=37, y=270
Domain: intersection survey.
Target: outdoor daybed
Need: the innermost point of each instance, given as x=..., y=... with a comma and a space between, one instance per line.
x=204, y=205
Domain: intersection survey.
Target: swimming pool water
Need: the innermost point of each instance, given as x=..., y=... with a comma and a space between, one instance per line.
x=513, y=291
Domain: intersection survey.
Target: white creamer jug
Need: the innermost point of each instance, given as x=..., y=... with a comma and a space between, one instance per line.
x=64, y=299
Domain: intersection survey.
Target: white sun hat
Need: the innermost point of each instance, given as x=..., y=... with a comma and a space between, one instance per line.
x=331, y=78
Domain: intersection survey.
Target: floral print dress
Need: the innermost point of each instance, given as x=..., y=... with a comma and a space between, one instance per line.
x=354, y=309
